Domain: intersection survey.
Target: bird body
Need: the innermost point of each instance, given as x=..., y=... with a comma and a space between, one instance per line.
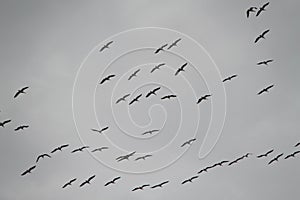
x=136, y=99
x=230, y=77
x=181, y=69
x=125, y=157
x=42, y=156
x=275, y=159
x=59, y=148
x=106, y=46
x=160, y=185
x=161, y=48
x=265, y=154
x=134, y=74
x=265, y=90
x=249, y=10
x=107, y=78
x=189, y=180
x=101, y=130
x=112, y=181
x=21, y=91
x=69, y=183
x=189, y=142
x=261, y=36
x=203, y=98
x=79, y=149
x=150, y=132
x=265, y=62
x=157, y=67
x=292, y=155
x=169, y=96
x=100, y=149
x=143, y=157
x=28, y=171
x=22, y=127
x=140, y=187
x=261, y=9
x=88, y=181
x=2, y=124
x=152, y=92
x=122, y=98
x=174, y=43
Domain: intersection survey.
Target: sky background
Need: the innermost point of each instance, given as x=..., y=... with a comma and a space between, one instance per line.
x=43, y=44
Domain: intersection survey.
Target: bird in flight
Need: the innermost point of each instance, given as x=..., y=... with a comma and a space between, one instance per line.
x=59, y=148
x=42, y=156
x=261, y=9
x=189, y=142
x=203, y=98
x=125, y=157
x=122, y=98
x=152, y=92
x=100, y=149
x=136, y=99
x=292, y=155
x=169, y=96
x=181, y=69
x=101, y=130
x=189, y=180
x=134, y=74
x=249, y=10
x=88, y=181
x=298, y=144
x=140, y=187
x=150, y=132
x=106, y=46
x=236, y=160
x=265, y=90
x=230, y=77
x=265, y=154
x=69, y=183
x=157, y=67
x=107, y=78
x=174, y=44
x=22, y=127
x=261, y=36
x=143, y=157
x=160, y=48
x=112, y=181
x=160, y=185
x=205, y=169
x=2, y=124
x=80, y=149
x=275, y=159
x=28, y=171
x=265, y=62
x=247, y=155
x=21, y=91
x=222, y=162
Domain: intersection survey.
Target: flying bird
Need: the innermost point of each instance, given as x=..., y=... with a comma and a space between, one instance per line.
x=160, y=48
x=189, y=142
x=42, y=156
x=106, y=46
x=265, y=90
x=261, y=36
x=112, y=181
x=157, y=67
x=134, y=74
x=174, y=44
x=298, y=144
x=236, y=160
x=88, y=181
x=203, y=98
x=100, y=149
x=230, y=77
x=2, y=124
x=150, y=132
x=59, y=148
x=143, y=157
x=222, y=162
x=107, y=78
x=136, y=99
x=28, y=171
x=275, y=159
x=125, y=157
x=169, y=96
x=160, y=185
x=101, y=130
x=140, y=187
x=189, y=180
x=80, y=149
x=247, y=155
x=261, y=9
x=249, y=10
x=292, y=155
x=152, y=92
x=69, y=183
x=265, y=62
x=265, y=154
x=180, y=69
x=22, y=127
x=21, y=91
x=122, y=98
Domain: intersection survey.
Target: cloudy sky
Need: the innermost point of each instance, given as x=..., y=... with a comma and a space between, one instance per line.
x=45, y=43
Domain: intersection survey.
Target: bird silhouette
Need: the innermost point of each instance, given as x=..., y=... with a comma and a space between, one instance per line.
x=106, y=46
x=88, y=181
x=21, y=91
x=140, y=187
x=236, y=160
x=143, y=157
x=28, y=171
x=265, y=62
x=222, y=162
x=122, y=98
x=125, y=157
x=298, y=144
x=69, y=183
x=230, y=77
x=107, y=78
x=189, y=142
x=261, y=9
x=261, y=36
x=80, y=149
x=161, y=48
x=203, y=98
x=134, y=74
x=247, y=155
x=2, y=124
x=169, y=96
x=174, y=43
x=101, y=130
x=136, y=99
x=205, y=169
x=152, y=92
x=249, y=10
x=100, y=149
x=157, y=67
x=160, y=185
x=181, y=69
x=150, y=132
x=265, y=90
x=42, y=156
x=275, y=159
x=60, y=148
x=292, y=155
x=22, y=127
x=112, y=181
x=265, y=154
x=190, y=180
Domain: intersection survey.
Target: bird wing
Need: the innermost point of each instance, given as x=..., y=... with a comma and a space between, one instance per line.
x=265, y=32
x=54, y=150
x=104, y=79
x=92, y=177
x=265, y=5
x=6, y=121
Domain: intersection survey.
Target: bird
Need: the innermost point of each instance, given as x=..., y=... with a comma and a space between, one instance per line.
x=236, y=161
x=157, y=67
x=265, y=154
x=261, y=36
x=60, y=148
x=205, y=169
x=247, y=155
x=249, y=10
x=222, y=162
x=80, y=149
x=292, y=155
x=275, y=159
x=69, y=183
x=298, y=144
x=2, y=124
x=133, y=74
x=265, y=89
x=136, y=99
x=88, y=181
x=230, y=77
x=169, y=96
x=140, y=187
x=189, y=180
x=263, y=8
x=42, y=156
x=28, y=171
x=107, y=78
x=189, y=142
x=125, y=157
x=100, y=149
x=143, y=157
x=101, y=130
x=265, y=62
x=161, y=48
x=22, y=127
x=122, y=98
x=21, y=91
x=150, y=132
x=152, y=92
x=181, y=69
x=106, y=46
x=160, y=185
x=174, y=43
x=112, y=181
x=203, y=98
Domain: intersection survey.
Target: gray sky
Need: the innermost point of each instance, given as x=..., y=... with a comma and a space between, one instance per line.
x=43, y=44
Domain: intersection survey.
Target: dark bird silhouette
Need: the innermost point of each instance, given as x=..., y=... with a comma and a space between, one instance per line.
x=189, y=142
x=230, y=77
x=203, y=98
x=157, y=67
x=28, y=171
x=125, y=157
x=265, y=154
x=101, y=130
x=136, y=99
x=292, y=155
x=112, y=181
x=265, y=90
x=152, y=92
x=169, y=96
x=140, y=187
x=122, y=98
x=106, y=46
x=174, y=44
x=160, y=185
x=143, y=157
x=298, y=144
x=107, y=78
x=249, y=10
x=222, y=162
x=2, y=124
x=80, y=149
x=150, y=132
x=236, y=160
x=21, y=91
x=181, y=69
x=42, y=156
x=100, y=149
x=134, y=74
x=205, y=169
x=88, y=181
x=22, y=127
x=59, y=148
x=275, y=159
x=261, y=9
x=247, y=155
x=261, y=36
x=69, y=183
x=160, y=48
x=265, y=62
x=189, y=180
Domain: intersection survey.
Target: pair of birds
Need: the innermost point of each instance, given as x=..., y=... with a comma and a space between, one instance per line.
x=253, y=9
x=21, y=127
x=86, y=182
x=160, y=185
x=162, y=48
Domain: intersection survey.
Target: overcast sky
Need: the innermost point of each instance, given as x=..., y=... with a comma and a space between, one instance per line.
x=44, y=43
